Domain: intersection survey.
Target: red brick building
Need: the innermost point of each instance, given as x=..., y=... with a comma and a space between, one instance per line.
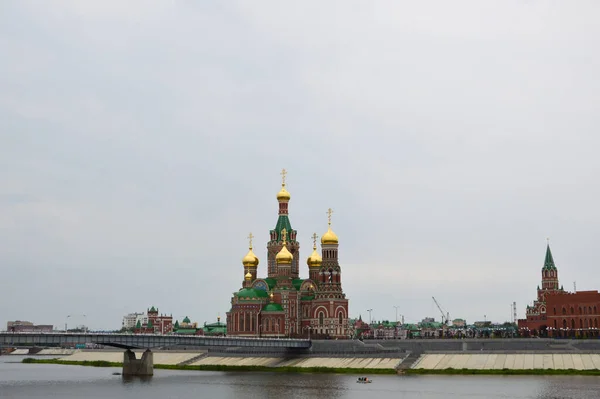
x=558, y=313
x=283, y=303
x=157, y=323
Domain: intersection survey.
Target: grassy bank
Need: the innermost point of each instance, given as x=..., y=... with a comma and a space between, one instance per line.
x=451, y=371
x=209, y=367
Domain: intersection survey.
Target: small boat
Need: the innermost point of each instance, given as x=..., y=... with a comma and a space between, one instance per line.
x=116, y=373
x=364, y=380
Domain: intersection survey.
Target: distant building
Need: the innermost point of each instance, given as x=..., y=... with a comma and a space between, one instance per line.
x=217, y=329
x=385, y=329
x=131, y=320
x=361, y=329
x=27, y=326
x=186, y=327
x=558, y=313
x=459, y=323
x=152, y=323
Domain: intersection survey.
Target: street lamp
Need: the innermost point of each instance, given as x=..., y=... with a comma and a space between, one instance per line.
x=396, y=307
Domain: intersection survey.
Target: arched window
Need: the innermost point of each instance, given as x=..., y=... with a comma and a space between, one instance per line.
x=564, y=310
x=596, y=323
x=340, y=317
x=321, y=316
x=572, y=324
x=585, y=322
x=595, y=310
x=555, y=325
x=580, y=323
x=565, y=324
x=572, y=310
x=590, y=310
x=555, y=311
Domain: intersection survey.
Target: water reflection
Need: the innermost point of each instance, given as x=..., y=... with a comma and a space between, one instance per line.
x=72, y=382
x=572, y=387
x=277, y=385
x=128, y=379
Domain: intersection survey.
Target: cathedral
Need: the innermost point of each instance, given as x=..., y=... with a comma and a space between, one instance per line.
x=283, y=304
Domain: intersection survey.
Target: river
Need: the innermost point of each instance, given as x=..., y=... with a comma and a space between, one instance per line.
x=19, y=380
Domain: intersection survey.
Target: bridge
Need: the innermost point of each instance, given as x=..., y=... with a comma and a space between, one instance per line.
x=145, y=365
x=144, y=341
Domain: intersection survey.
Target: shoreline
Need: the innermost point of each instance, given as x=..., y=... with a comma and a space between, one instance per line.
x=325, y=370
x=215, y=367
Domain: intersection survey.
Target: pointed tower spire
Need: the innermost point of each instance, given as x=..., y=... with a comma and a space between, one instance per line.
x=549, y=261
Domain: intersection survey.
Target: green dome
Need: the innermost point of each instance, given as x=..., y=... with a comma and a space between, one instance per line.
x=152, y=309
x=251, y=293
x=273, y=307
x=186, y=320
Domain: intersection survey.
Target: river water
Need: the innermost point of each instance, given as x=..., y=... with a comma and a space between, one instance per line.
x=19, y=380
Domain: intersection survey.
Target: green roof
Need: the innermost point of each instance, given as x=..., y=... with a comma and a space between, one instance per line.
x=273, y=307
x=218, y=324
x=297, y=282
x=150, y=324
x=186, y=331
x=307, y=298
x=433, y=324
x=176, y=325
x=549, y=261
x=251, y=293
x=412, y=327
x=138, y=324
x=152, y=309
x=271, y=282
x=186, y=320
x=283, y=222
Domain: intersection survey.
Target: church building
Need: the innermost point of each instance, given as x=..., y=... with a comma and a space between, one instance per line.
x=283, y=304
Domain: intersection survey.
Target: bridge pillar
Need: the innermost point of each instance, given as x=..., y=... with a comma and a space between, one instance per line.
x=138, y=367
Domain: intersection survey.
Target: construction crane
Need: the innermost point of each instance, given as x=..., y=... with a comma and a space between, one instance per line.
x=446, y=316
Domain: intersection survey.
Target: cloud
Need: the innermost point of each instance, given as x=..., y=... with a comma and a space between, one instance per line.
x=142, y=141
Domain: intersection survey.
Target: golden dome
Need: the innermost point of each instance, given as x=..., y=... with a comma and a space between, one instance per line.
x=250, y=259
x=283, y=195
x=248, y=276
x=284, y=256
x=314, y=260
x=329, y=237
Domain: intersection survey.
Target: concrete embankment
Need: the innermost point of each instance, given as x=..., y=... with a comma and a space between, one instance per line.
x=43, y=352
x=307, y=362
x=493, y=361
x=203, y=359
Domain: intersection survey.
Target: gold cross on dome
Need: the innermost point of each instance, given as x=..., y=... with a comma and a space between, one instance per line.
x=283, y=174
x=250, y=237
x=314, y=237
x=283, y=235
x=329, y=213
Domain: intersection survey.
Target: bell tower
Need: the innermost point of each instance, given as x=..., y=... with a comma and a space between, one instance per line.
x=276, y=241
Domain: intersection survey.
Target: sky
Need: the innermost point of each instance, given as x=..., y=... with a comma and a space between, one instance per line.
x=141, y=141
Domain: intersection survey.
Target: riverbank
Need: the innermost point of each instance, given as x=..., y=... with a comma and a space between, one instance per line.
x=219, y=367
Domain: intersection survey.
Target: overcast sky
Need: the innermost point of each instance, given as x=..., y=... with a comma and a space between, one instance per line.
x=142, y=141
